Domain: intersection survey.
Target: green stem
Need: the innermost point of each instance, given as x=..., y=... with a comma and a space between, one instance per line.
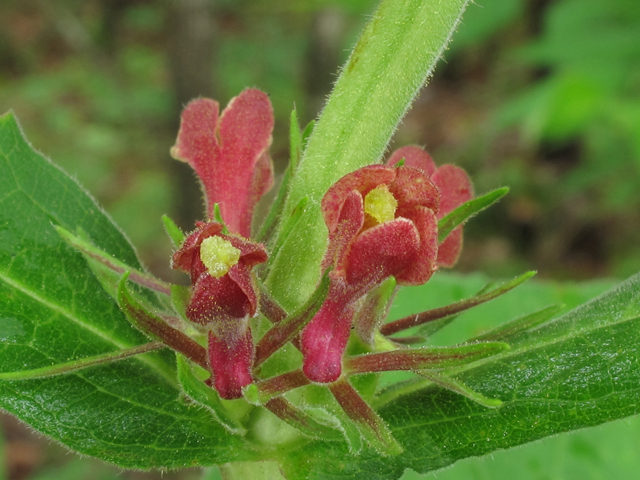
x=395, y=55
x=76, y=365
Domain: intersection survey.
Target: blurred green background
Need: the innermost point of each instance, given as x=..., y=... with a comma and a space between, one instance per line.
x=540, y=95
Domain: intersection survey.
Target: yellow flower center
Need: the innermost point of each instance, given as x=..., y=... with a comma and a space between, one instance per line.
x=380, y=204
x=218, y=255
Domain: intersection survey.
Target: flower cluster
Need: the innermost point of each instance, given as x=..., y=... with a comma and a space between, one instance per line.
x=386, y=225
x=382, y=222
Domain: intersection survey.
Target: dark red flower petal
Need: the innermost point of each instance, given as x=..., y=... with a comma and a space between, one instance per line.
x=414, y=157
x=421, y=269
x=218, y=300
x=349, y=223
x=230, y=360
x=381, y=251
x=412, y=188
x=363, y=180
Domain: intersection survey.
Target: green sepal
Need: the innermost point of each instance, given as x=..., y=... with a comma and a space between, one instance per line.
x=176, y=235
x=452, y=309
x=180, y=296
x=283, y=332
x=374, y=430
x=94, y=254
x=373, y=311
x=155, y=327
x=296, y=146
x=217, y=216
x=207, y=397
x=289, y=225
x=507, y=331
x=307, y=424
x=467, y=210
x=422, y=358
x=458, y=387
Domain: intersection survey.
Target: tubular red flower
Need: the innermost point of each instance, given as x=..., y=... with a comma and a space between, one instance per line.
x=455, y=189
x=382, y=222
x=224, y=297
x=229, y=153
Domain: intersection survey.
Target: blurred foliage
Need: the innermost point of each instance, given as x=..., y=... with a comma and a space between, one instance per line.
x=540, y=95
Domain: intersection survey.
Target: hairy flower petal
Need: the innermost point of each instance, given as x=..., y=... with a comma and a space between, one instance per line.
x=230, y=359
x=229, y=153
x=363, y=181
x=379, y=252
x=414, y=157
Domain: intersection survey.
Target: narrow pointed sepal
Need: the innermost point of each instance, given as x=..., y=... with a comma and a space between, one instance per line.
x=285, y=330
x=155, y=327
x=369, y=423
x=422, y=358
x=460, y=388
x=442, y=312
x=102, y=258
x=307, y=424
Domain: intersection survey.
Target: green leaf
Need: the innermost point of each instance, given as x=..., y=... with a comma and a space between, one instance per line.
x=607, y=452
x=507, y=330
x=579, y=370
x=81, y=363
x=53, y=311
x=467, y=210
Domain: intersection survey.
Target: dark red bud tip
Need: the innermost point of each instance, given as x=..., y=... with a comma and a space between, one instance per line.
x=230, y=362
x=324, y=339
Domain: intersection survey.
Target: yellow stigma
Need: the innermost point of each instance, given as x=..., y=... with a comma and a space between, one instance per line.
x=218, y=255
x=380, y=204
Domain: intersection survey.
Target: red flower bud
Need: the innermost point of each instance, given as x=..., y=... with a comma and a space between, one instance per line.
x=229, y=153
x=224, y=298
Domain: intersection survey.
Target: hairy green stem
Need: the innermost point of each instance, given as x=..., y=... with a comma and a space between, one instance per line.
x=390, y=63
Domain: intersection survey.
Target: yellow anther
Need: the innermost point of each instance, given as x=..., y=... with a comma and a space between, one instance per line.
x=218, y=255
x=380, y=204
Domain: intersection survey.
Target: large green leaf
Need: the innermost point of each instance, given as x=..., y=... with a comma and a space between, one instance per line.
x=603, y=453
x=53, y=310
x=577, y=371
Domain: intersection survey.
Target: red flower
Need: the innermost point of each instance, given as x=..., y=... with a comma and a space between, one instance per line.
x=455, y=189
x=382, y=222
x=229, y=154
x=224, y=298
